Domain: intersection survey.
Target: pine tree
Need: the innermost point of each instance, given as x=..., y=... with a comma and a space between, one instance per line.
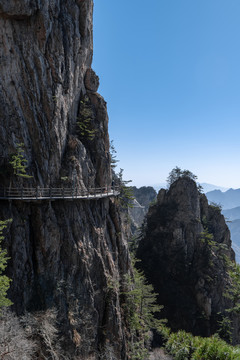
x=177, y=172
x=4, y=280
x=113, y=152
x=140, y=308
x=19, y=163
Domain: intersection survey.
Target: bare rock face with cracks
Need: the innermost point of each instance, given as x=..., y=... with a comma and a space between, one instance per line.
x=183, y=252
x=63, y=253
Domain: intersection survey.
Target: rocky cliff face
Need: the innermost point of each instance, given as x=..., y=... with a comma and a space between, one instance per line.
x=183, y=254
x=64, y=254
x=144, y=196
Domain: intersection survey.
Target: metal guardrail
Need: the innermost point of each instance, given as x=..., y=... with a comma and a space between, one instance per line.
x=39, y=193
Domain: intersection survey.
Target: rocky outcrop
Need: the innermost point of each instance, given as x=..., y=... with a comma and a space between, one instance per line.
x=182, y=253
x=91, y=80
x=64, y=254
x=144, y=196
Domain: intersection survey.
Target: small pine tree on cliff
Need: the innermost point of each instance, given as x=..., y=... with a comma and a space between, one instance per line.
x=19, y=163
x=4, y=280
x=177, y=172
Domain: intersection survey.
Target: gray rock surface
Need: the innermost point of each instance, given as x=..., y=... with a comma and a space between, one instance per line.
x=91, y=80
x=18, y=9
x=144, y=196
x=187, y=271
x=64, y=254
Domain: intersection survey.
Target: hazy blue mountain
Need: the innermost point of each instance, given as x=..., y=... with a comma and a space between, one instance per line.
x=228, y=199
x=232, y=214
x=206, y=187
x=210, y=187
x=159, y=186
x=234, y=227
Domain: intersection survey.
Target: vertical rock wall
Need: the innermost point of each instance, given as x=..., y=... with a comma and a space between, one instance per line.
x=45, y=51
x=185, y=265
x=64, y=254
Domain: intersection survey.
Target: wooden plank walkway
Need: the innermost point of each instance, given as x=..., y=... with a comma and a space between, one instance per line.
x=38, y=193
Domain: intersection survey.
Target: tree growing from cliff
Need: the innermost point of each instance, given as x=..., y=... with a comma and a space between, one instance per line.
x=19, y=163
x=126, y=193
x=177, y=173
x=4, y=280
x=85, y=120
x=113, y=157
x=140, y=308
x=233, y=289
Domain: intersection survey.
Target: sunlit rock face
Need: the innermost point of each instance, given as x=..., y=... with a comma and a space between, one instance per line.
x=46, y=53
x=65, y=253
x=187, y=269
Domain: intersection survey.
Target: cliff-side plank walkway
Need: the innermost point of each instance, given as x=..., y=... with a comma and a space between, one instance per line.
x=34, y=194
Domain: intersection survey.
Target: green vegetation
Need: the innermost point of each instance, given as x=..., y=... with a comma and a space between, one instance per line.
x=85, y=120
x=113, y=157
x=177, y=173
x=185, y=346
x=64, y=178
x=4, y=280
x=126, y=193
x=207, y=239
x=19, y=163
x=140, y=307
x=225, y=328
x=233, y=289
x=216, y=207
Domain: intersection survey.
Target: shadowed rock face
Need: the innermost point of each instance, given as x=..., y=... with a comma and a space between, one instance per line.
x=189, y=274
x=18, y=9
x=63, y=253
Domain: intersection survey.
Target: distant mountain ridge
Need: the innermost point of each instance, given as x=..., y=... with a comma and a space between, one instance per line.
x=232, y=214
x=206, y=187
x=210, y=187
x=234, y=227
x=228, y=200
x=144, y=196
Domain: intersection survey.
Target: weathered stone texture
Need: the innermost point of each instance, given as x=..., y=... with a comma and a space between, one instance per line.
x=189, y=274
x=63, y=253
x=144, y=196
x=91, y=80
x=44, y=59
x=18, y=9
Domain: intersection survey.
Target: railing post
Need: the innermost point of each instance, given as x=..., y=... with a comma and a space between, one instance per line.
x=4, y=192
x=50, y=192
x=22, y=193
x=36, y=192
x=63, y=192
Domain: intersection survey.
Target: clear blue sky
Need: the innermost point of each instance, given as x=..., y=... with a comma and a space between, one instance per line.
x=170, y=73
